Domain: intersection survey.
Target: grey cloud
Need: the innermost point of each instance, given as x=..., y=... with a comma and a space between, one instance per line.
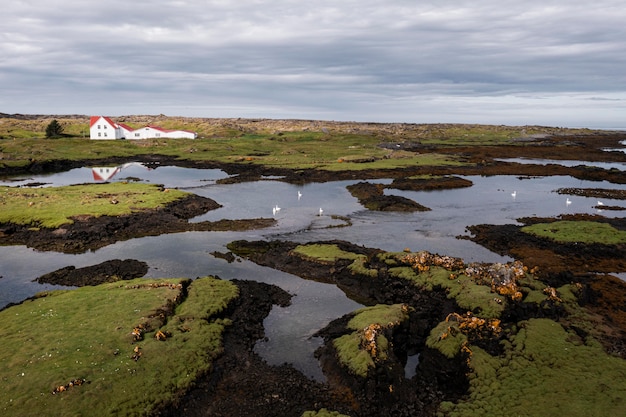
x=348, y=60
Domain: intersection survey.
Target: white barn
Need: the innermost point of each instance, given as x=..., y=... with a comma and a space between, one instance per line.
x=103, y=128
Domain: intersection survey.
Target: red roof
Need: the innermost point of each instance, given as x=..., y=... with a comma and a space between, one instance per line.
x=94, y=119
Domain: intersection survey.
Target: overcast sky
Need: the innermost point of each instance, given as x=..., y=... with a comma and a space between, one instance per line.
x=556, y=63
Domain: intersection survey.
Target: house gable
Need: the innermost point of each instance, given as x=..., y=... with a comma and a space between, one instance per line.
x=103, y=128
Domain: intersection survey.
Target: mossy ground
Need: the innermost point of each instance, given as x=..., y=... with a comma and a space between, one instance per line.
x=54, y=206
x=577, y=231
x=368, y=324
x=86, y=334
x=545, y=371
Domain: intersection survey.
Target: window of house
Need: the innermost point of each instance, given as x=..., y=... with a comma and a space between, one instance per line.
x=99, y=134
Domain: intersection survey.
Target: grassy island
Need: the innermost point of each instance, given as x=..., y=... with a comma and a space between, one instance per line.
x=122, y=348
x=52, y=207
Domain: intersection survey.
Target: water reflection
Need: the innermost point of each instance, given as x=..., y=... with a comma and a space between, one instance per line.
x=568, y=163
x=289, y=329
x=171, y=177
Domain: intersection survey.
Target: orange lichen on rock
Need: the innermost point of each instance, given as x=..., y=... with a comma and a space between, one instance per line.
x=475, y=327
x=368, y=341
x=423, y=260
x=502, y=278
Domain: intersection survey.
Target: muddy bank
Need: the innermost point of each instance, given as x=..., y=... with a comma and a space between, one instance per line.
x=241, y=383
x=372, y=197
x=554, y=258
x=90, y=233
x=108, y=271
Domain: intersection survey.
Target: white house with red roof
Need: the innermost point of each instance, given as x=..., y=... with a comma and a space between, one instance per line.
x=103, y=128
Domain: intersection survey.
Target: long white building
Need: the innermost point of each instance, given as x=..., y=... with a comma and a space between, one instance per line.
x=103, y=128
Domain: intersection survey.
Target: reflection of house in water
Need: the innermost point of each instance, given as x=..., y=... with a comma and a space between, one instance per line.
x=106, y=173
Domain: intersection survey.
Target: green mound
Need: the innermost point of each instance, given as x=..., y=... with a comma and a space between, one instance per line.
x=123, y=348
x=52, y=207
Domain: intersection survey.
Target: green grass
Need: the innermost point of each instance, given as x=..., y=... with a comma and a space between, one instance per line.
x=295, y=147
x=350, y=348
x=86, y=334
x=52, y=207
x=330, y=253
x=327, y=253
x=545, y=371
x=578, y=231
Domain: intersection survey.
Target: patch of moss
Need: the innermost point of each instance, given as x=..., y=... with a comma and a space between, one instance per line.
x=543, y=373
x=447, y=338
x=105, y=338
x=360, y=350
x=467, y=293
x=327, y=253
x=567, y=231
x=51, y=207
x=382, y=314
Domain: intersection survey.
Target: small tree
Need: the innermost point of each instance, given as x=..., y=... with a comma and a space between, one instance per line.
x=54, y=130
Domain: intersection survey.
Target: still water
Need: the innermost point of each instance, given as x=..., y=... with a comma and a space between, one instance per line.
x=289, y=330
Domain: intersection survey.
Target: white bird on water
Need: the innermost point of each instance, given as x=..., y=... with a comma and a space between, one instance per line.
x=299, y=195
x=275, y=209
x=600, y=203
x=321, y=212
x=568, y=202
x=514, y=194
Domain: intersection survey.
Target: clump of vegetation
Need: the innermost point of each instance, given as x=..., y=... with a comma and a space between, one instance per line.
x=54, y=129
x=462, y=283
x=324, y=253
x=566, y=231
x=331, y=253
x=542, y=365
x=54, y=206
x=121, y=348
x=367, y=345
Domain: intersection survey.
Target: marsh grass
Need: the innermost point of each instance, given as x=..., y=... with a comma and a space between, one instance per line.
x=327, y=253
x=545, y=371
x=52, y=207
x=86, y=334
x=578, y=231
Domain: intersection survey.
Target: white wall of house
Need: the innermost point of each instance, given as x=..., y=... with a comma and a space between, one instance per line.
x=151, y=132
x=103, y=128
